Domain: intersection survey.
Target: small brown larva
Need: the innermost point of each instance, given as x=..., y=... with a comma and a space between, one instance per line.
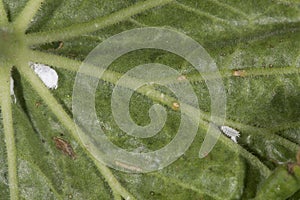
x=239, y=73
x=181, y=78
x=65, y=147
x=230, y=132
x=37, y=104
x=61, y=44
x=175, y=106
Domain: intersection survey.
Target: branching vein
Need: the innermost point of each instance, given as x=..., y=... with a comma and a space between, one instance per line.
x=24, y=18
x=230, y=8
x=43, y=176
x=63, y=117
x=200, y=13
x=151, y=93
x=91, y=26
x=3, y=14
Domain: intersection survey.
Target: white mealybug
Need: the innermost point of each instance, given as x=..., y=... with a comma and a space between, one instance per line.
x=230, y=132
x=46, y=74
x=12, y=93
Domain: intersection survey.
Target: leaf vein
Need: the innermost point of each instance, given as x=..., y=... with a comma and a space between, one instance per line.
x=6, y=108
x=97, y=24
x=3, y=14
x=24, y=18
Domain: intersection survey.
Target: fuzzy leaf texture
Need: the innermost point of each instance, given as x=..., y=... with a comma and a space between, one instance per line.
x=255, y=44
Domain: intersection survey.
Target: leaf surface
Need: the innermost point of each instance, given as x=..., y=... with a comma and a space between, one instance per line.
x=260, y=37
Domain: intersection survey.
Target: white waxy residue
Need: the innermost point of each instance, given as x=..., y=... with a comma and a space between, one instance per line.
x=46, y=74
x=12, y=93
x=230, y=132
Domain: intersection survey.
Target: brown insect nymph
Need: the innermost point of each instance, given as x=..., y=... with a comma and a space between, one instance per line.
x=65, y=147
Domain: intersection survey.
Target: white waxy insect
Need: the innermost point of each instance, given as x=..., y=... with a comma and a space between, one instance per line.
x=230, y=132
x=12, y=93
x=46, y=74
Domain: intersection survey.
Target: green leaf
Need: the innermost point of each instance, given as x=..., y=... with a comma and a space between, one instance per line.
x=255, y=44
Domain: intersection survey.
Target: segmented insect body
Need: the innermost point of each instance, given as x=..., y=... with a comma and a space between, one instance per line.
x=61, y=44
x=12, y=93
x=65, y=147
x=239, y=73
x=181, y=78
x=129, y=167
x=230, y=132
x=175, y=106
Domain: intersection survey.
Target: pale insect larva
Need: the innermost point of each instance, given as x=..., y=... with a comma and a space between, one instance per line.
x=129, y=167
x=239, y=73
x=61, y=44
x=12, y=93
x=181, y=78
x=230, y=132
x=175, y=105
